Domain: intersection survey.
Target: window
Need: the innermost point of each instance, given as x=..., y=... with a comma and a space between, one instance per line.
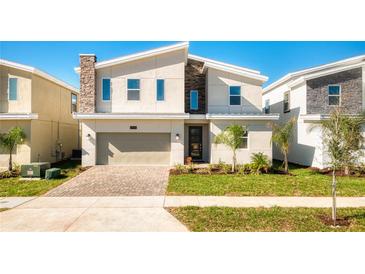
x=133, y=89
x=286, y=101
x=160, y=90
x=235, y=95
x=13, y=89
x=244, y=143
x=73, y=102
x=194, y=100
x=106, y=89
x=267, y=106
x=334, y=95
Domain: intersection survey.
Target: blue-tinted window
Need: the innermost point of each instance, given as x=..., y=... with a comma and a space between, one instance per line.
x=160, y=90
x=235, y=95
x=334, y=95
x=13, y=88
x=334, y=90
x=194, y=98
x=106, y=89
x=133, y=83
x=133, y=89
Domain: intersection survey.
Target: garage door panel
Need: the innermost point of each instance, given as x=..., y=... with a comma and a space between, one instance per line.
x=133, y=148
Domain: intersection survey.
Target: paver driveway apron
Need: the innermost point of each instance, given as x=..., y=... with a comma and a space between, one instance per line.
x=116, y=181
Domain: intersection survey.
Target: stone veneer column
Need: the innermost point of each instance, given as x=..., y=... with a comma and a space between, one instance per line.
x=87, y=83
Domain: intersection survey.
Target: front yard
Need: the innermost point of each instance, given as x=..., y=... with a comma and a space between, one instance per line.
x=302, y=182
x=17, y=187
x=219, y=219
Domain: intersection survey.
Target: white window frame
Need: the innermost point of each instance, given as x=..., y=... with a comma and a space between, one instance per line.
x=339, y=95
x=197, y=103
x=102, y=79
x=229, y=96
x=164, y=89
x=289, y=106
x=17, y=88
x=248, y=140
x=134, y=89
x=73, y=94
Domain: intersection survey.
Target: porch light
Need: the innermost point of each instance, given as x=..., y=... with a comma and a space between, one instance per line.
x=177, y=136
x=88, y=136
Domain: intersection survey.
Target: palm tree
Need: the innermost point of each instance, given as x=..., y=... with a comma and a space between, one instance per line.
x=9, y=141
x=232, y=137
x=281, y=136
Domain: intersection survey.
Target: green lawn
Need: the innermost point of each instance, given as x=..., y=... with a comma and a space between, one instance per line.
x=214, y=219
x=18, y=187
x=304, y=182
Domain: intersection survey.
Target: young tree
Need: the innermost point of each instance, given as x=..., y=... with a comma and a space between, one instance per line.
x=343, y=140
x=9, y=141
x=232, y=137
x=281, y=136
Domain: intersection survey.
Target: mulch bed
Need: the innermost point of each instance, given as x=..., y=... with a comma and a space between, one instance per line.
x=340, y=222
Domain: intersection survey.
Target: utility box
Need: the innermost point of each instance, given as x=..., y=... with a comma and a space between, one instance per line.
x=52, y=173
x=34, y=170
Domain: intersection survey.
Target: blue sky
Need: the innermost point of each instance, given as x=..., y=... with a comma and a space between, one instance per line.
x=273, y=59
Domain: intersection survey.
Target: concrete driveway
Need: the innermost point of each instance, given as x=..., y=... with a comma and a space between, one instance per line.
x=97, y=214
x=115, y=181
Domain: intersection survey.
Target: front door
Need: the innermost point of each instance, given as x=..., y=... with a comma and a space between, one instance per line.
x=195, y=142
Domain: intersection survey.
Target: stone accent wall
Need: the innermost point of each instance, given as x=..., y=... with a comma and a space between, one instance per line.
x=351, y=92
x=87, y=83
x=195, y=79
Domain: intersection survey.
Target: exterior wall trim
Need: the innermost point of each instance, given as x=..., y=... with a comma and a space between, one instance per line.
x=252, y=117
x=120, y=116
x=18, y=116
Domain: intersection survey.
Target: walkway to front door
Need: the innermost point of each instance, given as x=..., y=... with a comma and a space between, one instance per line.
x=116, y=181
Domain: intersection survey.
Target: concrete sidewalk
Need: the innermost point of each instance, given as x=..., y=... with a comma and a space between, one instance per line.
x=131, y=213
x=96, y=214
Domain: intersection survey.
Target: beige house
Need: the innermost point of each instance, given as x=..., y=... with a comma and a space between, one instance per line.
x=42, y=105
x=160, y=106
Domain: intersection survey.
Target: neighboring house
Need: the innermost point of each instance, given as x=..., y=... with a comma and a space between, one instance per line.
x=160, y=106
x=310, y=95
x=42, y=105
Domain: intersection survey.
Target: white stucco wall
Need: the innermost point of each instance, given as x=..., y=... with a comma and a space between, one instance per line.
x=307, y=146
x=218, y=83
x=259, y=140
x=169, y=66
x=92, y=127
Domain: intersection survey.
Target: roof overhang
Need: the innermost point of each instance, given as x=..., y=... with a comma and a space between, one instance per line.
x=250, y=117
x=305, y=78
x=39, y=73
x=18, y=116
x=129, y=116
x=241, y=71
x=141, y=55
x=317, y=71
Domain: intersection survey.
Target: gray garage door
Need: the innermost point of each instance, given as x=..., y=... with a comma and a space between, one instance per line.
x=133, y=148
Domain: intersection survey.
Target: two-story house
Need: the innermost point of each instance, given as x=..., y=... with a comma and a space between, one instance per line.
x=310, y=95
x=42, y=105
x=160, y=106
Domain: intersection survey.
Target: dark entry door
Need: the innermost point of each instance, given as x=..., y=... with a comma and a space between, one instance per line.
x=196, y=142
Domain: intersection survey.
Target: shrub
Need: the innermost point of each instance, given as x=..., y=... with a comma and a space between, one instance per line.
x=210, y=168
x=191, y=168
x=180, y=168
x=259, y=163
x=245, y=169
x=226, y=168
x=220, y=165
